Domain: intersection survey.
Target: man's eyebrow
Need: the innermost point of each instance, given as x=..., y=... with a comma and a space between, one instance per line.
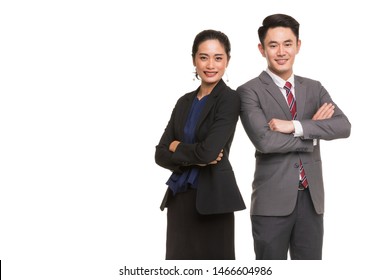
x=286, y=41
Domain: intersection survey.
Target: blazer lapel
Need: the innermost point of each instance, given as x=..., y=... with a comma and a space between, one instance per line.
x=184, y=113
x=300, y=97
x=210, y=102
x=274, y=91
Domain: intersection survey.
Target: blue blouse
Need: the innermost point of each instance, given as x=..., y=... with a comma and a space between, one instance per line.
x=180, y=182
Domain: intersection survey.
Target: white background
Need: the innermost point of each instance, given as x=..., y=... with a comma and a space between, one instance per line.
x=87, y=88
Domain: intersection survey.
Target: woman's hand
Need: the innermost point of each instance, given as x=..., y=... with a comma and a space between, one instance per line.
x=173, y=146
x=219, y=157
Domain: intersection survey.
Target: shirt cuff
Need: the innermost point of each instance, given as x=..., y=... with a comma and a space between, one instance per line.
x=298, y=129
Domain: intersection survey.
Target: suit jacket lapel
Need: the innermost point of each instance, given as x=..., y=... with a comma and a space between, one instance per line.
x=210, y=101
x=207, y=107
x=276, y=94
x=184, y=113
x=300, y=97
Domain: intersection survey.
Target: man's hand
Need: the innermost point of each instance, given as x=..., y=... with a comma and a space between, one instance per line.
x=282, y=126
x=326, y=111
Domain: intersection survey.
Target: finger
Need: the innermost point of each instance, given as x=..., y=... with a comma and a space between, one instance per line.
x=322, y=108
x=325, y=107
x=319, y=112
x=328, y=109
x=322, y=111
x=330, y=113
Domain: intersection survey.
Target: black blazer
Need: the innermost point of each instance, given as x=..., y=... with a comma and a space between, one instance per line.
x=217, y=190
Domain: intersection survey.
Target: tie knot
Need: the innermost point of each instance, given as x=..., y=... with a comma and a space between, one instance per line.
x=288, y=86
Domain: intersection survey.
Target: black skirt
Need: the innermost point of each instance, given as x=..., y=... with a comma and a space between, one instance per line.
x=192, y=236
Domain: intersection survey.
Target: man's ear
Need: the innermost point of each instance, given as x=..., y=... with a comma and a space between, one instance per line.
x=298, y=46
x=261, y=49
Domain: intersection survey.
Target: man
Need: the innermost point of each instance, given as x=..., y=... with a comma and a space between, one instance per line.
x=285, y=116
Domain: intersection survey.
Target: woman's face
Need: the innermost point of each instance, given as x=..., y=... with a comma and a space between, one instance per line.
x=211, y=61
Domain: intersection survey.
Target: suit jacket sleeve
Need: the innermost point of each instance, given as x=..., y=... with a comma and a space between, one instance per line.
x=338, y=126
x=163, y=156
x=223, y=115
x=256, y=126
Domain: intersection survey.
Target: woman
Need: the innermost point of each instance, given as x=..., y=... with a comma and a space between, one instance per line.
x=202, y=191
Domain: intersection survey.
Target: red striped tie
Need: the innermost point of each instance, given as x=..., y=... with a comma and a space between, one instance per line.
x=293, y=109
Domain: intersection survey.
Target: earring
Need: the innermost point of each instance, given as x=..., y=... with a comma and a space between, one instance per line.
x=227, y=76
x=195, y=74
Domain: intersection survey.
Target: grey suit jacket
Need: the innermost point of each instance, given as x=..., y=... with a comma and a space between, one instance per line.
x=277, y=154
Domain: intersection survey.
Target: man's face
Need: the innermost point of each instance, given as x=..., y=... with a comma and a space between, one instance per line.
x=280, y=48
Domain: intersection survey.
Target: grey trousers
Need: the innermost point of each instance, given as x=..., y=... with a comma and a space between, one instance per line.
x=301, y=233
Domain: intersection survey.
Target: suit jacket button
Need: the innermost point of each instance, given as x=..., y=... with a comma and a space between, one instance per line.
x=296, y=165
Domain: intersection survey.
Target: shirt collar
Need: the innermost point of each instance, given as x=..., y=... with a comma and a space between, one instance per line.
x=279, y=81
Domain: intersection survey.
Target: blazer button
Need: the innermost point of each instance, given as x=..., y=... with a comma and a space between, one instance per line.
x=296, y=165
